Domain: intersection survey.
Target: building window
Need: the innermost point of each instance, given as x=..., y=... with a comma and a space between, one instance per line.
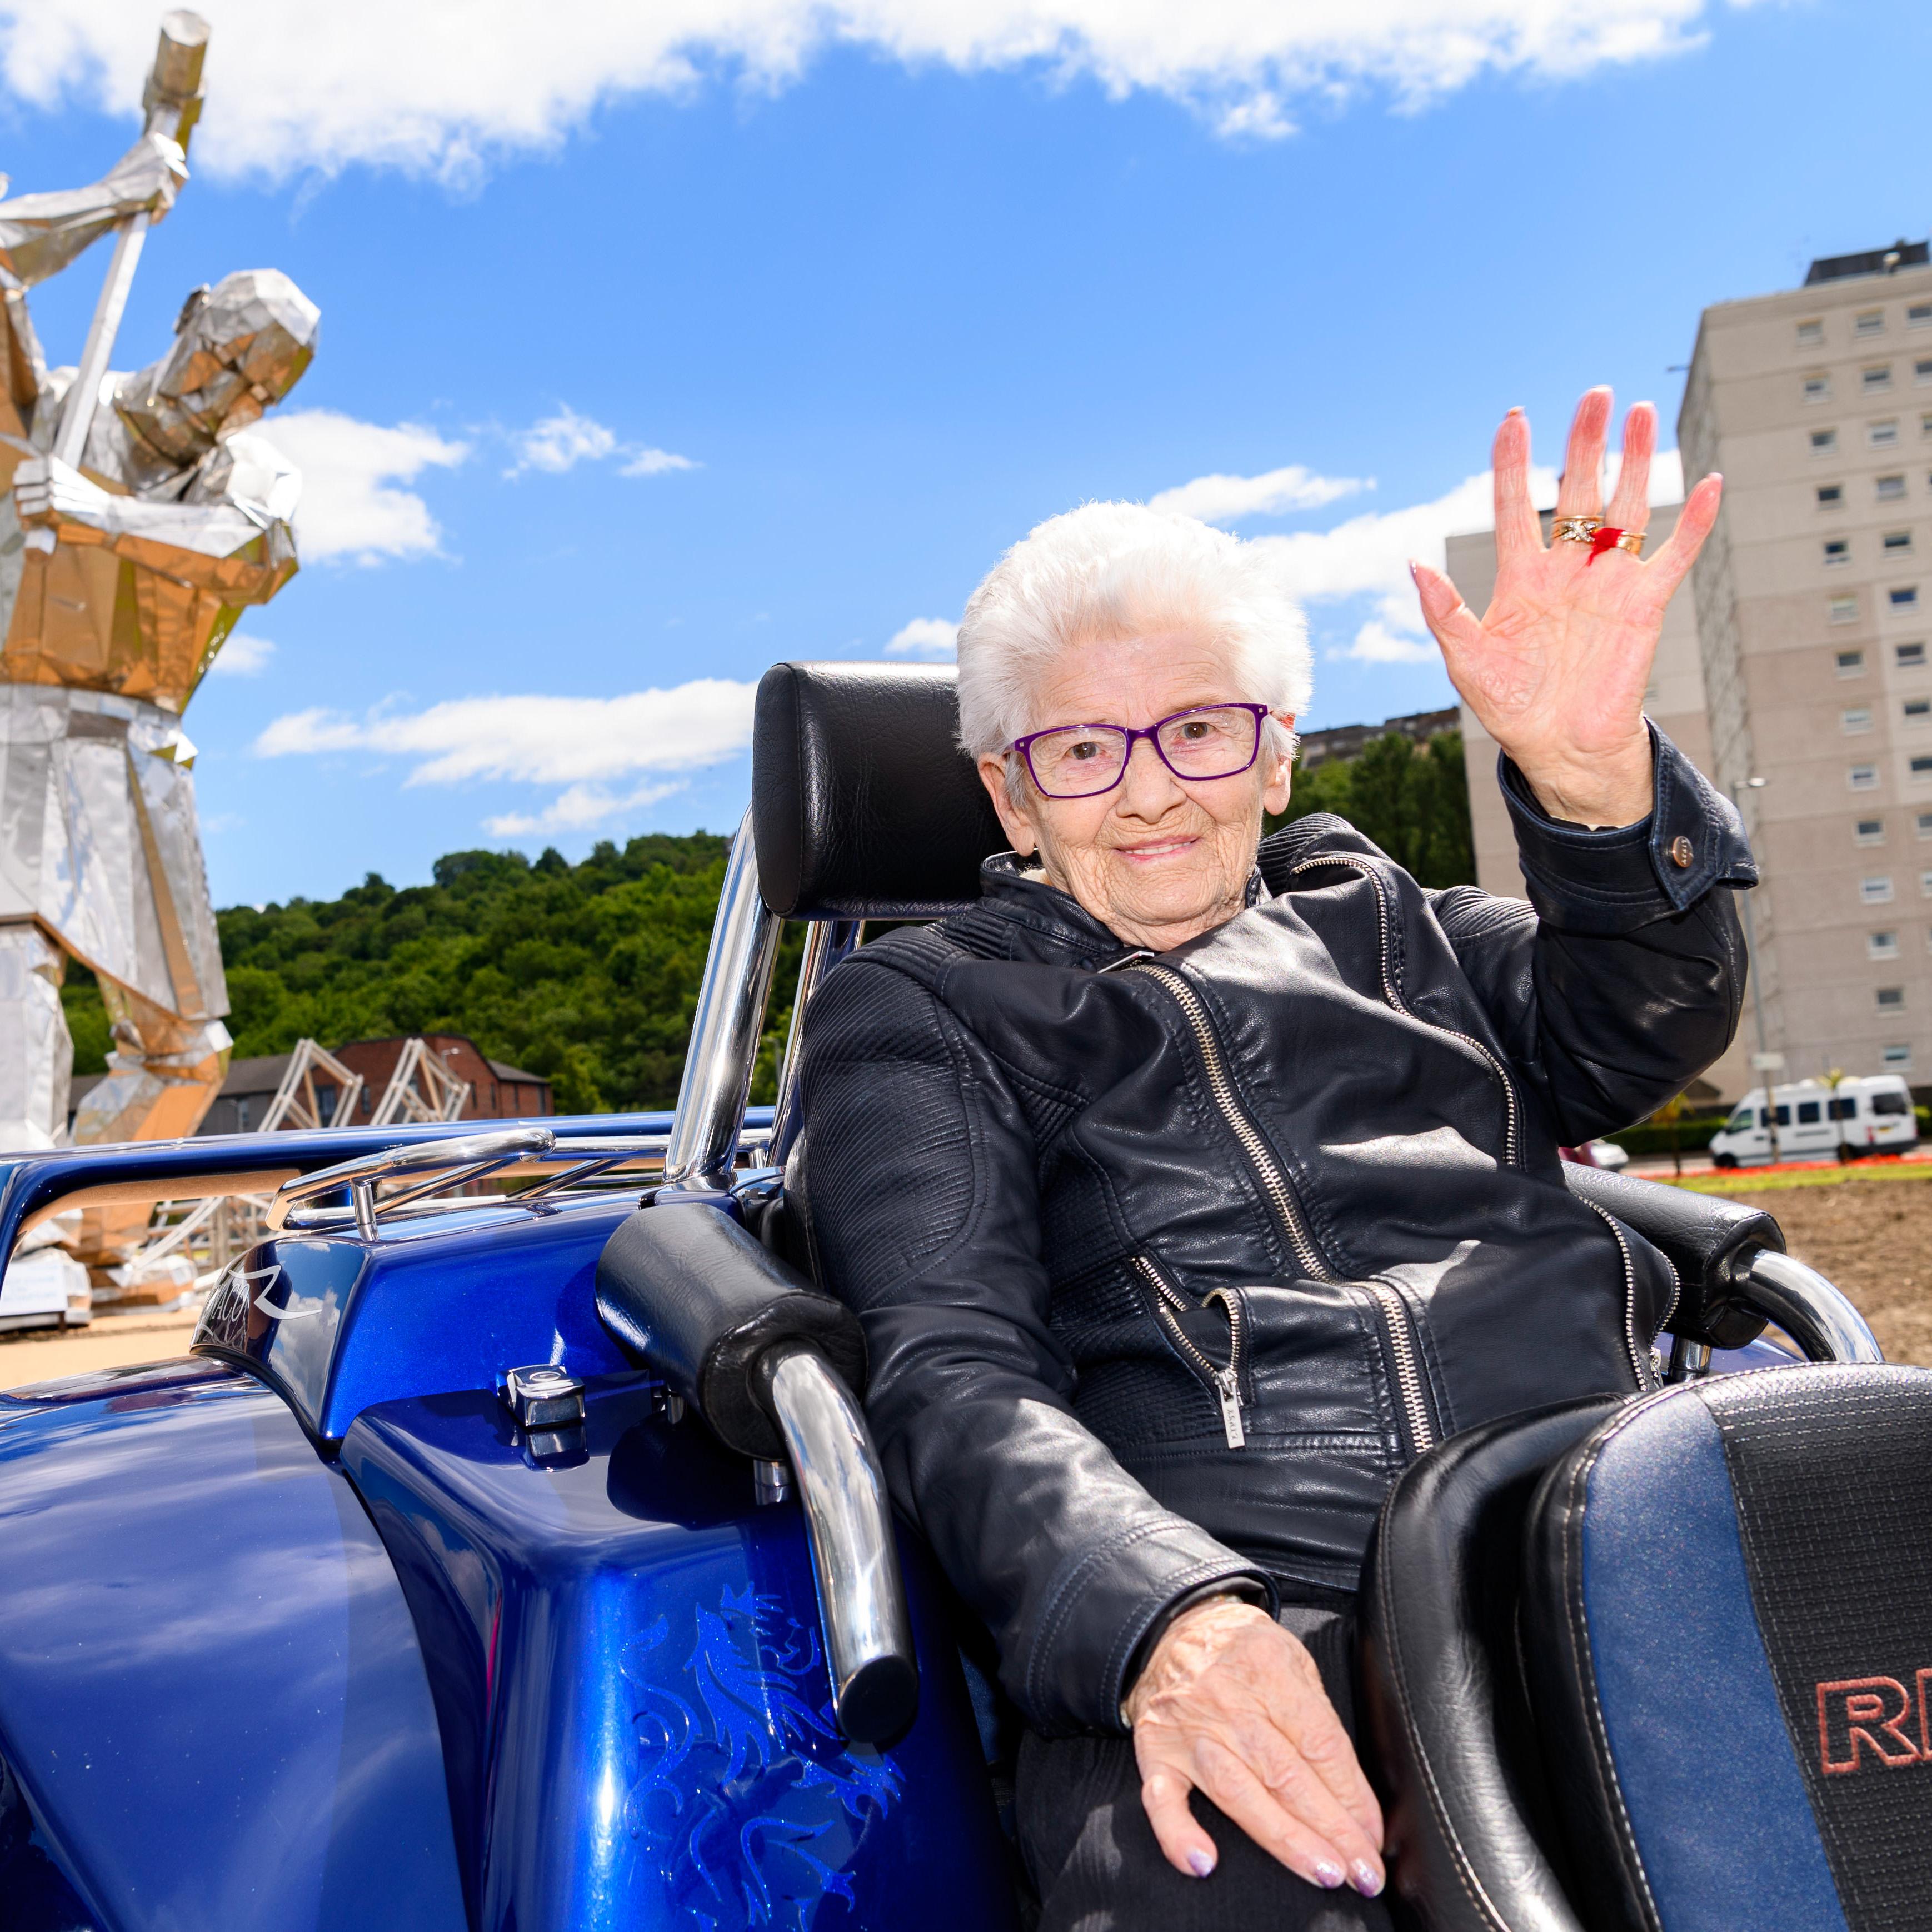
x=1872, y=322
x=1813, y=331
x=1882, y=435
x=1851, y=664
x=1831, y=496
x=1891, y=999
x=1845, y=610
x=1817, y=389
x=1881, y=946
x=1859, y=720
x=1898, y=1058
x=1925, y=825
x=1925, y=426
x=1875, y=891
x=1925, y=892
x=1874, y=380
x=1909, y=657
x=1918, y=709
x=1904, y=598
x=1825, y=441
x=1895, y=542
x=1921, y=768
x=1837, y=550
x=1871, y=831
x=1889, y=489
x=1918, y=316
x=1922, y=369
x=1862, y=778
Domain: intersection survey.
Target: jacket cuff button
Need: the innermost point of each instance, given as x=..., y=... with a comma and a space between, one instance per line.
x=1681, y=852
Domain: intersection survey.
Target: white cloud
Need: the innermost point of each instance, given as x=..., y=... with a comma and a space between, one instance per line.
x=1226, y=499
x=438, y=86
x=1376, y=643
x=924, y=637
x=350, y=509
x=655, y=462
x=244, y=655
x=560, y=442
x=578, y=742
x=577, y=809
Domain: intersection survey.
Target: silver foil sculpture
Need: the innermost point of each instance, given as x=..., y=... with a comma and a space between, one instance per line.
x=138, y=517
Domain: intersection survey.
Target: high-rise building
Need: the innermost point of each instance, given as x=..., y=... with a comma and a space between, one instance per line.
x=1800, y=654
x=1814, y=617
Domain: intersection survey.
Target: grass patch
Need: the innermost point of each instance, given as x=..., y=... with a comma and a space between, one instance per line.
x=1765, y=1181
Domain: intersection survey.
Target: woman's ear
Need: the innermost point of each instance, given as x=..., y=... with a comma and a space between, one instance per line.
x=1019, y=826
x=1280, y=780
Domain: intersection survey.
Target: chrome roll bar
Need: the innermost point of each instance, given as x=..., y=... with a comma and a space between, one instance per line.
x=848, y=1518
x=724, y=1030
x=826, y=942
x=1816, y=1316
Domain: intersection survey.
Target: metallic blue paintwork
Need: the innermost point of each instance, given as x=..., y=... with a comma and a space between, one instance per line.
x=442, y=1301
x=211, y=1696
x=635, y=1715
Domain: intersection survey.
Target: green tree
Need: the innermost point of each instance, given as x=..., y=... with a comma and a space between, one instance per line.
x=1412, y=800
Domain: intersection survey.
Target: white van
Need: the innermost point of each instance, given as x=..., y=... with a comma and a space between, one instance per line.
x=1815, y=1122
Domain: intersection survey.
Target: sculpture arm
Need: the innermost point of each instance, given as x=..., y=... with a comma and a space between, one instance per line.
x=40, y=234
x=240, y=543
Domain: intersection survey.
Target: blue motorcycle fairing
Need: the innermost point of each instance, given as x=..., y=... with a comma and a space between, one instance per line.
x=212, y=1700
x=435, y=1302
x=636, y=1716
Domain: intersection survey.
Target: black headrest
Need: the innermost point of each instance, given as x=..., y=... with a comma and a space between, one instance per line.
x=863, y=806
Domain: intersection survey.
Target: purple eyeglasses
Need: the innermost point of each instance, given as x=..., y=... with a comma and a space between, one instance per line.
x=1212, y=741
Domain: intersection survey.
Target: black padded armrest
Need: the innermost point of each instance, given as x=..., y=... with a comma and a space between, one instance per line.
x=686, y=1289
x=1709, y=1242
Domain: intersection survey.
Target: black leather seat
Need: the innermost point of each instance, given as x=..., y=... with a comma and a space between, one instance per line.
x=1666, y=1666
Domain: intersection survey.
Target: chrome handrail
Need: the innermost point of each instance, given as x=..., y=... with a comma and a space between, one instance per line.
x=468, y=1156
x=848, y=1515
x=1816, y=1316
x=731, y=997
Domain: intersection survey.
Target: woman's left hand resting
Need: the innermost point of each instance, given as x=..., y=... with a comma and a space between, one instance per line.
x=1554, y=670
x=1231, y=1706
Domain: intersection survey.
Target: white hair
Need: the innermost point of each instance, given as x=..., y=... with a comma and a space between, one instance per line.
x=1109, y=571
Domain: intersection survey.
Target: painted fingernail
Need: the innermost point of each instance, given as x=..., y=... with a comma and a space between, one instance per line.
x=1327, y=1875
x=1201, y=1863
x=1368, y=1881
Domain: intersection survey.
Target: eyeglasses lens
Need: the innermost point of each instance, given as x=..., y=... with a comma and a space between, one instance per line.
x=1084, y=760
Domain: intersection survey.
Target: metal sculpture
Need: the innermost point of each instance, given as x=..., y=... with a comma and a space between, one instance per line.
x=139, y=517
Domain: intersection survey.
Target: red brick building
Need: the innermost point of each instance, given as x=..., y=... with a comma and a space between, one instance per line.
x=497, y=1091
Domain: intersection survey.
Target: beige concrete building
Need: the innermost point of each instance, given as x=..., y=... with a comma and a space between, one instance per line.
x=1675, y=698
x=1812, y=603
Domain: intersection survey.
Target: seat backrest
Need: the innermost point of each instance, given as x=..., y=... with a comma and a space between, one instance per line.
x=1727, y=1625
x=863, y=805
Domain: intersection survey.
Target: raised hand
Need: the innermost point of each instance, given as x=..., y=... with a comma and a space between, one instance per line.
x=148, y=177
x=1554, y=669
x=1231, y=1706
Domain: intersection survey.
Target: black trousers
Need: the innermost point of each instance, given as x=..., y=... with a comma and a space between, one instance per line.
x=1096, y=1865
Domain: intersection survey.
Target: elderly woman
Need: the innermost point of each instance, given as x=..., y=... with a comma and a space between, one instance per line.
x=1193, y=1183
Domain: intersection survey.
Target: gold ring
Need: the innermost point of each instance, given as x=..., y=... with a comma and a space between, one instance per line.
x=1633, y=541
x=1576, y=529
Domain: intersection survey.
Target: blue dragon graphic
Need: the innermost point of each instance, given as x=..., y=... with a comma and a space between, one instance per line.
x=746, y=1798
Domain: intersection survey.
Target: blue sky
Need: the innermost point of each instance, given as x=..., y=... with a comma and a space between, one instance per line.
x=890, y=298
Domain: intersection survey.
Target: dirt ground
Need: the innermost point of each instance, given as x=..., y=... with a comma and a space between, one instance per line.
x=113, y=1342
x=1874, y=1239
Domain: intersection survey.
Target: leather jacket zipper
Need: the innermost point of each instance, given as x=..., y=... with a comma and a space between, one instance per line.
x=1224, y=1383
x=1639, y=1358
x=1412, y=1386
x=1512, y=1135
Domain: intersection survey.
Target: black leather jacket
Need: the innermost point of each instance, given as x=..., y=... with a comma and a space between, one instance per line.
x=1169, y=1264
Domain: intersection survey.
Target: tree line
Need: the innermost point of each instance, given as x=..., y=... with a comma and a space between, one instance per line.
x=588, y=973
